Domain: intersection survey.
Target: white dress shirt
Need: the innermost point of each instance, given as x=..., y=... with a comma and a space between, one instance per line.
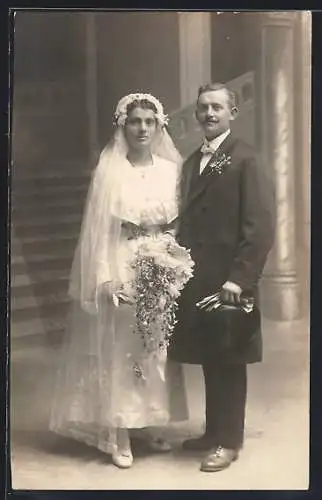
x=214, y=144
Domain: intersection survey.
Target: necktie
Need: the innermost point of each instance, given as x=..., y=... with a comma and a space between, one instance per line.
x=206, y=149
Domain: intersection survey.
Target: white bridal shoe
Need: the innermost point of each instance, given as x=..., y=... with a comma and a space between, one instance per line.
x=122, y=457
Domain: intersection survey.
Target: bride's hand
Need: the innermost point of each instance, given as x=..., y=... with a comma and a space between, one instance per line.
x=118, y=296
x=124, y=298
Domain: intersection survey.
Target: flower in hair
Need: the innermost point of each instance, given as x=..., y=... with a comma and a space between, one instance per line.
x=120, y=115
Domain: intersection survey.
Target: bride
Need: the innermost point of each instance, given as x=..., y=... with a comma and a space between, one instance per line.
x=98, y=396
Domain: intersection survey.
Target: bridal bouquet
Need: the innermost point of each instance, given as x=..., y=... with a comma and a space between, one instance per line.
x=161, y=269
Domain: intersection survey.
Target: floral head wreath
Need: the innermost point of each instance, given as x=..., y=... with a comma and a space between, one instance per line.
x=120, y=114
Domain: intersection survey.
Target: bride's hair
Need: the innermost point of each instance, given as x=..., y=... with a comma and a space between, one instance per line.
x=140, y=103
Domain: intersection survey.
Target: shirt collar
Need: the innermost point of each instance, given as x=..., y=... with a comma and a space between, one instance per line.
x=216, y=142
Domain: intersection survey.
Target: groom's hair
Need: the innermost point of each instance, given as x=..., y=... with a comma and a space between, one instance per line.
x=211, y=87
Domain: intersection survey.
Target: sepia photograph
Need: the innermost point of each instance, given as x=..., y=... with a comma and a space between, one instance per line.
x=160, y=250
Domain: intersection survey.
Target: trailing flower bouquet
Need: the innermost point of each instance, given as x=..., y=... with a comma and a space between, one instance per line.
x=161, y=269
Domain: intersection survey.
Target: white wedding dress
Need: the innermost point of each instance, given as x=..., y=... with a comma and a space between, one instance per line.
x=97, y=390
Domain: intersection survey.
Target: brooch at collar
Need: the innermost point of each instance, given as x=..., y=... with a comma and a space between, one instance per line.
x=219, y=163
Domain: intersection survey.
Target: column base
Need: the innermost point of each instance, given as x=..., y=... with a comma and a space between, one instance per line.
x=281, y=298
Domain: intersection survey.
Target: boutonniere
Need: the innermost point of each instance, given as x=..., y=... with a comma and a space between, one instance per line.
x=219, y=162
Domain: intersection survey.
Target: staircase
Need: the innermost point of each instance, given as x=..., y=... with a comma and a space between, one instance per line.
x=46, y=216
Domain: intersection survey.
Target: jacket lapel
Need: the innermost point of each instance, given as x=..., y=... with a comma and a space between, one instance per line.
x=197, y=187
x=190, y=176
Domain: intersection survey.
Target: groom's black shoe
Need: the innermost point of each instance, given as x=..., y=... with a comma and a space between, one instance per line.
x=202, y=443
x=218, y=459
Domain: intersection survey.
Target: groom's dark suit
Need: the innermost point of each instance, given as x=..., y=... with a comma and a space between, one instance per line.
x=227, y=221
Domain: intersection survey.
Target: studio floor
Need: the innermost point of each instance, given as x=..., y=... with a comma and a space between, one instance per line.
x=275, y=456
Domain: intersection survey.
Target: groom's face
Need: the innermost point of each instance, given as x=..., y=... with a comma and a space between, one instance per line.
x=214, y=112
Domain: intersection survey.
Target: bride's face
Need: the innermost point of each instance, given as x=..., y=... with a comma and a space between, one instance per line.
x=140, y=128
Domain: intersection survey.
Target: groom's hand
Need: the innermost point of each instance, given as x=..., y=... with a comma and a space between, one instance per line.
x=230, y=293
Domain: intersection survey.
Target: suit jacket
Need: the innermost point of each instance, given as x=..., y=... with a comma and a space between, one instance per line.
x=228, y=222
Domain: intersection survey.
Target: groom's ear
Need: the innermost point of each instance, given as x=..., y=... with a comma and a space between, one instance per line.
x=234, y=113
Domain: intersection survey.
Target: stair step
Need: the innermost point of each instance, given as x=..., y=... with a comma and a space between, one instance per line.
x=48, y=193
x=31, y=268
x=30, y=302
x=43, y=218
x=48, y=202
x=37, y=326
x=55, y=229
x=28, y=328
x=39, y=239
x=40, y=289
x=34, y=258
x=52, y=179
x=21, y=341
x=65, y=206
x=41, y=278
x=50, y=246
x=49, y=312
x=36, y=302
x=46, y=220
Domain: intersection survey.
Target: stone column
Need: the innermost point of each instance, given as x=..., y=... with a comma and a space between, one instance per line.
x=304, y=151
x=195, y=53
x=195, y=70
x=91, y=86
x=280, y=290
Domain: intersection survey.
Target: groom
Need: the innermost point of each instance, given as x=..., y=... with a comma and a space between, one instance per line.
x=227, y=220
